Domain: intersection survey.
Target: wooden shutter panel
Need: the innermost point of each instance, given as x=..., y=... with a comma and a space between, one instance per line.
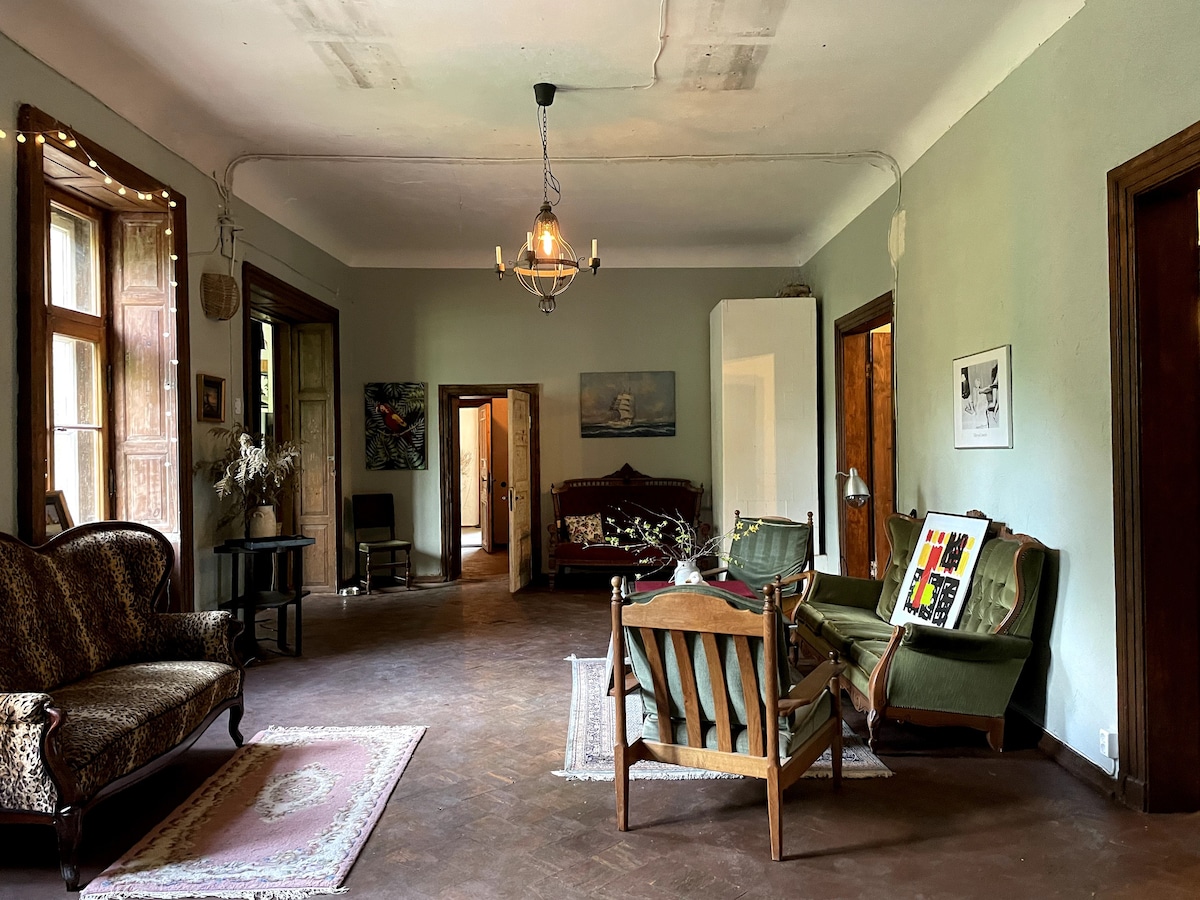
x=145, y=411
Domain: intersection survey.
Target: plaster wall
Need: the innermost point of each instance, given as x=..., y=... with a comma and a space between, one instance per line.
x=1006, y=243
x=215, y=346
x=462, y=327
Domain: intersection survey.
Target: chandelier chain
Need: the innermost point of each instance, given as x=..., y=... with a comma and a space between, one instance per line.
x=549, y=182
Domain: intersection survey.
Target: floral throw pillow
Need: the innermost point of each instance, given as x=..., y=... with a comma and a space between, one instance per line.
x=584, y=529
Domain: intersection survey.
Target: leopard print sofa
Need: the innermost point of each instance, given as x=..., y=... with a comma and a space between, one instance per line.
x=97, y=690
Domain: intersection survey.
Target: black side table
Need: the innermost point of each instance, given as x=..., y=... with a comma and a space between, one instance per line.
x=256, y=556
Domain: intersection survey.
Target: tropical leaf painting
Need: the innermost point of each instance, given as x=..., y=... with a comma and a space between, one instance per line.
x=396, y=425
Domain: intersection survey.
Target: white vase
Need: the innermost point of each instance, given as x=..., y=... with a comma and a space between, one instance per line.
x=261, y=523
x=687, y=572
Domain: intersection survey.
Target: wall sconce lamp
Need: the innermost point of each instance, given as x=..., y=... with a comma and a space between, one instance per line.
x=855, y=493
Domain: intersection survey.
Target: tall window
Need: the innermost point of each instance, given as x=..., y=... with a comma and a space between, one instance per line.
x=103, y=414
x=76, y=376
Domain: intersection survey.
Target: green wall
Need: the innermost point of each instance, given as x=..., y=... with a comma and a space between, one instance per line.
x=464, y=327
x=215, y=346
x=1007, y=243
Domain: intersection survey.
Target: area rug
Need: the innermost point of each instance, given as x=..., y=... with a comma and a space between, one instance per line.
x=284, y=819
x=592, y=729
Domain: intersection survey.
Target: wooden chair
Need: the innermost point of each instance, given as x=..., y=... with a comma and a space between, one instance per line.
x=375, y=514
x=716, y=664
x=767, y=547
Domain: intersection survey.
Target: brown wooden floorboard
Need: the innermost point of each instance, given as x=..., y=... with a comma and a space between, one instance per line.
x=478, y=814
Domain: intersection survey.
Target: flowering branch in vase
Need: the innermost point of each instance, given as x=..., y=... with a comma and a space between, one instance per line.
x=674, y=539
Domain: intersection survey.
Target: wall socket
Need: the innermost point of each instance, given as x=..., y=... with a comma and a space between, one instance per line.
x=1108, y=743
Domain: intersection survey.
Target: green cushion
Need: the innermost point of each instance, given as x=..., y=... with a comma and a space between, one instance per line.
x=994, y=589
x=793, y=731
x=763, y=550
x=903, y=534
x=965, y=644
x=863, y=657
x=927, y=681
x=371, y=546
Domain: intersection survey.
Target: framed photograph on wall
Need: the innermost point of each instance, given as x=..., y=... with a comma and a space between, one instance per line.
x=58, y=517
x=210, y=398
x=626, y=404
x=983, y=399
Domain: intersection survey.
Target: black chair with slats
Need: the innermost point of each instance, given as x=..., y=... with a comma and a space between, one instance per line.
x=375, y=515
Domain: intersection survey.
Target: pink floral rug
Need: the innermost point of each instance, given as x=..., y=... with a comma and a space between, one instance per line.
x=284, y=819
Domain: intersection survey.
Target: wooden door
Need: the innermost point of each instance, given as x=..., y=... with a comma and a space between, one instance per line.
x=313, y=411
x=500, y=471
x=484, y=440
x=520, y=500
x=866, y=434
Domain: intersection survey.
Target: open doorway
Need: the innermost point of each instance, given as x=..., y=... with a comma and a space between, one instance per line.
x=509, y=485
x=866, y=430
x=483, y=473
x=292, y=392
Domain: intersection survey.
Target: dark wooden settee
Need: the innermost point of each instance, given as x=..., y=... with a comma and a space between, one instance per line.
x=619, y=496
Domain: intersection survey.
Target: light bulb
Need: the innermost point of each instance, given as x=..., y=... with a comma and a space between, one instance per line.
x=547, y=240
x=62, y=135
x=121, y=191
x=92, y=163
x=72, y=143
x=41, y=139
x=107, y=179
x=168, y=231
x=20, y=138
x=3, y=134
x=165, y=195
x=172, y=204
x=174, y=257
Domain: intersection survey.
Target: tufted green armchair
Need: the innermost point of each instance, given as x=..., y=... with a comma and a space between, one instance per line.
x=921, y=673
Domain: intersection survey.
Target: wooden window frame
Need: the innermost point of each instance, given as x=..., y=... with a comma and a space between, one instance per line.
x=33, y=325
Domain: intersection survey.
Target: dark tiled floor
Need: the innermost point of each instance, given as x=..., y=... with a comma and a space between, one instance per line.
x=478, y=814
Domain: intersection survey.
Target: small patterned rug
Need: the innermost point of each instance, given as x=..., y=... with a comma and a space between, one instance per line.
x=591, y=732
x=284, y=819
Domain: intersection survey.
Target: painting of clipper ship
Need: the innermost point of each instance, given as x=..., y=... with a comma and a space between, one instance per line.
x=627, y=404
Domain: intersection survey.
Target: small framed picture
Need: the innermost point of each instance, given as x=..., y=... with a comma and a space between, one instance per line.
x=210, y=398
x=983, y=399
x=58, y=517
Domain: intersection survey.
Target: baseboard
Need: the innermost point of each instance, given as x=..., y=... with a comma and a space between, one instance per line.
x=1073, y=761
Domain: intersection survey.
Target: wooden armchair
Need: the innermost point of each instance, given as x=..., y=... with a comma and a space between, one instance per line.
x=718, y=692
x=768, y=548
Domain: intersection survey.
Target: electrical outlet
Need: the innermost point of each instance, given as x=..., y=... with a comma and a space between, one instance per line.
x=237, y=406
x=1108, y=743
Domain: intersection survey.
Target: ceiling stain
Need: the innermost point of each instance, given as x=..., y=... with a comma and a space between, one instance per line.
x=735, y=37
x=349, y=39
x=740, y=18
x=723, y=67
x=362, y=65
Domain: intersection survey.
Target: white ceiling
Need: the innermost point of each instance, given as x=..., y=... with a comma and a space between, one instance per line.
x=216, y=79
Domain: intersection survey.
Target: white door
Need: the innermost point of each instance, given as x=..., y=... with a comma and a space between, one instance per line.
x=520, y=503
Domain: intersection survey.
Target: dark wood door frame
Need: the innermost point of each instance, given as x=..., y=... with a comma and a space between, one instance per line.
x=868, y=317
x=449, y=403
x=1138, y=652
x=274, y=298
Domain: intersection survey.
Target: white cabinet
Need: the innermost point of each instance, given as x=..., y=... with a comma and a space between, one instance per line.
x=765, y=442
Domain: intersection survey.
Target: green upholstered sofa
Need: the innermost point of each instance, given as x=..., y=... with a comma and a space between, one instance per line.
x=921, y=673
x=97, y=690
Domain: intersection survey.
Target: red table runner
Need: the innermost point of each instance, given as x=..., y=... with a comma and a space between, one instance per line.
x=734, y=587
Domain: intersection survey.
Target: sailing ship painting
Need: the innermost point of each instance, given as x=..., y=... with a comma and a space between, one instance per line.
x=627, y=404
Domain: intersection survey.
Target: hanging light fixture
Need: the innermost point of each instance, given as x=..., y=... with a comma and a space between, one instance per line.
x=546, y=265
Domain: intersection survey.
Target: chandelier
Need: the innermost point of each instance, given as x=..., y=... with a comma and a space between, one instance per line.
x=547, y=264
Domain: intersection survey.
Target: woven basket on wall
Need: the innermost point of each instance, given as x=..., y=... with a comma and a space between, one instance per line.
x=219, y=295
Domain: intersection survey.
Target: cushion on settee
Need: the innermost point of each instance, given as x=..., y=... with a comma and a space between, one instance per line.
x=584, y=529
x=903, y=534
x=842, y=626
x=119, y=719
x=106, y=579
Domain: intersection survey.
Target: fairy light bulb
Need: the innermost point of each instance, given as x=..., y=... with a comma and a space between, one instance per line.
x=41, y=139
x=3, y=134
x=72, y=143
x=107, y=179
x=174, y=257
x=168, y=231
x=121, y=191
x=62, y=135
x=172, y=204
x=20, y=138
x=165, y=195
x=93, y=164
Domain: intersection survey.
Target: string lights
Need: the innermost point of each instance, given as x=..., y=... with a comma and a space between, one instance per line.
x=155, y=195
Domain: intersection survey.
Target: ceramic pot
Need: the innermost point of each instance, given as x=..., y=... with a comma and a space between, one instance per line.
x=261, y=522
x=687, y=572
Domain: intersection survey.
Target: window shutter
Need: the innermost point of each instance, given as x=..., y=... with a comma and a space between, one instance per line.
x=144, y=395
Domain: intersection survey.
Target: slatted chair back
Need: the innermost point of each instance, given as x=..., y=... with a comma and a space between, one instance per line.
x=769, y=546
x=712, y=661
